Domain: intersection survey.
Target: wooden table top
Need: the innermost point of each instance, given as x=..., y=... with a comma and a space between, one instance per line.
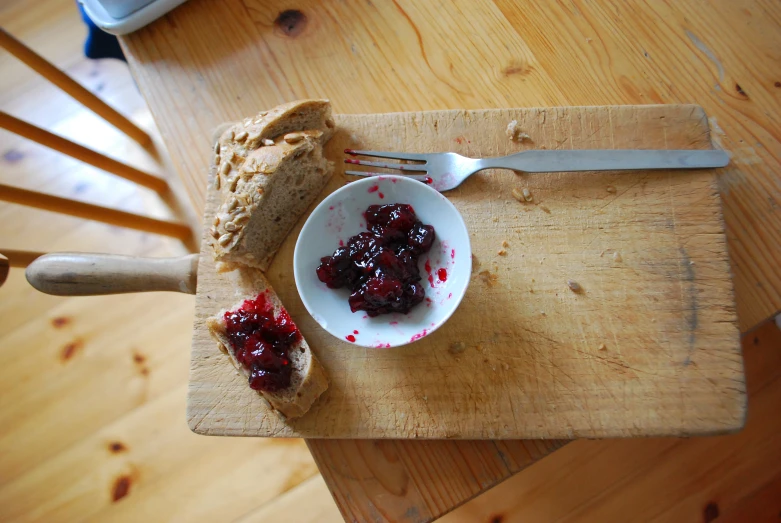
x=205, y=63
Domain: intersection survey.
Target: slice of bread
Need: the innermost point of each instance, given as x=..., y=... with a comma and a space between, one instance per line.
x=308, y=380
x=269, y=170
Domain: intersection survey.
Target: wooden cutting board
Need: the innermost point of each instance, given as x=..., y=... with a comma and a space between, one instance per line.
x=649, y=346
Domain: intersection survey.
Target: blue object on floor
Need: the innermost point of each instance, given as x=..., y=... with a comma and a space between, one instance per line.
x=100, y=44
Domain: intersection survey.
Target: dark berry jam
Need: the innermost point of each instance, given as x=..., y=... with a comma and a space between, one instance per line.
x=261, y=342
x=380, y=267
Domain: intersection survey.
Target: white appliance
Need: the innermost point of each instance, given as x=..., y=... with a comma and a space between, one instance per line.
x=120, y=17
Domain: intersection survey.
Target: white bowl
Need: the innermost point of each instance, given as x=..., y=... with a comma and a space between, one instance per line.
x=339, y=217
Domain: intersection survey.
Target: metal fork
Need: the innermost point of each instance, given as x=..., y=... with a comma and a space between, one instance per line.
x=445, y=171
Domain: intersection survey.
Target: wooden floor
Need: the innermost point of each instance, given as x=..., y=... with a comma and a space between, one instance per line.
x=92, y=390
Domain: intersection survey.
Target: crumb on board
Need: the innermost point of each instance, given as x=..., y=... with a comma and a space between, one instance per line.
x=543, y=313
x=515, y=133
x=543, y=208
x=501, y=252
x=615, y=253
x=602, y=346
x=527, y=195
x=505, y=243
x=495, y=219
x=457, y=347
x=611, y=189
x=574, y=286
x=505, y=366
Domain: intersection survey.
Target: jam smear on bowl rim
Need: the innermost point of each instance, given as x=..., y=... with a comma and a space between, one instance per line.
x=380, y=266
x=261, y=342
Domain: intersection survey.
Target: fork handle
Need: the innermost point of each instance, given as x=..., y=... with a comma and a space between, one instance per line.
x=606, y=160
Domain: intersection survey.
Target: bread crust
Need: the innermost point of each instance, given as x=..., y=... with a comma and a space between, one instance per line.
x=253, y=167
x=311, y=381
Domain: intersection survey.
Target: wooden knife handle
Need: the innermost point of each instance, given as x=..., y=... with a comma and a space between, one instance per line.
x=81, y=274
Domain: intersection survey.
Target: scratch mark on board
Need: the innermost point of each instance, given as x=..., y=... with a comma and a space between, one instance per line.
x=692, y=316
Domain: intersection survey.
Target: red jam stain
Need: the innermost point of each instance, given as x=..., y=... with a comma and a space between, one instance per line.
x=351, y=152
x=442, y=274
x=373, y=188
x=430, y=274
x=452, y=254
x=331, y=208
x=380, y=266
x=450, y=295
x=381, y=196
x=459, y=140
x=395, y=322
x=350, y=338
x=348, y=160
x=429, y=180
x=355, y=332
x=418, y=335
x=261, y=342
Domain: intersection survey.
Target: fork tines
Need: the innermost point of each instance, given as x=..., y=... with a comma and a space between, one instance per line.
x=418, y=167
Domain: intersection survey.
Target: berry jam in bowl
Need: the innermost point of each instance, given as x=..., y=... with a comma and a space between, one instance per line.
x=383, y=261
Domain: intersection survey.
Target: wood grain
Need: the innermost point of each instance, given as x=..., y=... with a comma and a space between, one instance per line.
x=90, y=211
x=84, y=154
x=65, y=416
x=204, y=64
x=73, y=88
x=648, y=347
x=396, y=480
x=18, y=258
x=659, y=479
x=374, y=57
x=627, y=480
